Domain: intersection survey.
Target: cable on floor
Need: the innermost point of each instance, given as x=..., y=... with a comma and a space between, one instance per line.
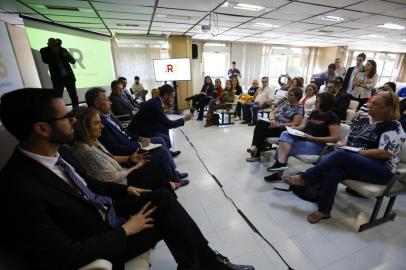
x=240, y=212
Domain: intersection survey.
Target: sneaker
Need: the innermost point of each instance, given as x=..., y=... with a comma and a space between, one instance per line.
x=252, y=124
x=223, y=263
x=277, y=166
x=253, y=159
x=273, y=178
x=237, y=118
x=245, y=122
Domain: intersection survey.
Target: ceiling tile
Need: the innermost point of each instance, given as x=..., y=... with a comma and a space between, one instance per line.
x=114, y=22
x=127, y=16
x=332, y=3
x=74, y=19
x=62, y=3
x=253, y=39
x=375, y=20
x=347, y=14
x=206, y=5
x=317, y=20
x=119, y=7
x=376, y=6
x=286, y=15
x=132, y=2
x=400, y=13
x=87, y=25
x=302, y=8
x=171, y=25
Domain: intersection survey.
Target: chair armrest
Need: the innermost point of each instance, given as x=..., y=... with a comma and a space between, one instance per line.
x=99, y=264
x=123, y=116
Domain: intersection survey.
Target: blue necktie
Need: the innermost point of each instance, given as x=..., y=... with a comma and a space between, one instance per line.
x=98, y=200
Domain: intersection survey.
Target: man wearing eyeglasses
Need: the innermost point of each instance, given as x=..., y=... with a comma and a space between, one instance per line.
x=57, y=217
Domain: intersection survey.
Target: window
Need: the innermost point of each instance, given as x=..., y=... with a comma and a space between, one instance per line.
x=385, y=64
x=285, y=61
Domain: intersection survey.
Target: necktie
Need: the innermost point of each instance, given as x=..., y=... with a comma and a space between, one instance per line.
x=98, y=200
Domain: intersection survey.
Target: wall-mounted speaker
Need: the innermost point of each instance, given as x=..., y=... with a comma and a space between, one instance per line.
x=195, y=51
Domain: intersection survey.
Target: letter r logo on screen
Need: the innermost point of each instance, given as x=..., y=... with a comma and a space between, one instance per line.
x=169, y=68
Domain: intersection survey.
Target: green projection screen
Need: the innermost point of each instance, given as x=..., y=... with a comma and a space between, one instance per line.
x=94, y=65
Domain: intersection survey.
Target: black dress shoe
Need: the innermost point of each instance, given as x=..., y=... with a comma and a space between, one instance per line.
x=175, y=153
x=272, y=178
x=223, y=263
x=183, y=175
x=184, y=182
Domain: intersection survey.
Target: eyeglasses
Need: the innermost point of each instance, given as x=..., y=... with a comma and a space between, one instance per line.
x=69, y=115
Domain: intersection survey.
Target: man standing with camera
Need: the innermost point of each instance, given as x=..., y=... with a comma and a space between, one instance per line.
x=59, y=60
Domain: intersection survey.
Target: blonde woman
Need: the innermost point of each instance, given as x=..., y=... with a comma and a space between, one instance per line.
x=103, y=166
x=379, y=140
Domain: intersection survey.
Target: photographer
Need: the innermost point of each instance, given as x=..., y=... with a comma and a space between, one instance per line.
x=59, y=60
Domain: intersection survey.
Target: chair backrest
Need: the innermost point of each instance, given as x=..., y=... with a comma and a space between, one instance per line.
x=344, y=130
x=402, y=154
x=353, y=105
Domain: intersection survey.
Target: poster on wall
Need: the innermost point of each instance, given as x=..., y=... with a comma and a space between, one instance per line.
x=10, y=78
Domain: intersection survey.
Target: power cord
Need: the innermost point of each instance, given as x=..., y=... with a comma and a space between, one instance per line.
x=240, y=212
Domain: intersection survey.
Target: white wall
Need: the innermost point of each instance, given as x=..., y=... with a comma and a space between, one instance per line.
x=24, y=56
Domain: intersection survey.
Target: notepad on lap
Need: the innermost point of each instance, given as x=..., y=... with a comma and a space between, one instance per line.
x=349, y=148
x=151, y=146
x=295, y=132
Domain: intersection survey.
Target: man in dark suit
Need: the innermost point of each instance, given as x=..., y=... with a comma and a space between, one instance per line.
x=151, y=119
x=59, y=60
x=349, y=76
x=120, y=104
x=343, y=99
x=126, y=92
x=56, y=217
x=119, y=143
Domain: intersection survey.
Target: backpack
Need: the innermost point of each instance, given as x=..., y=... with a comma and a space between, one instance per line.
x=308, y=193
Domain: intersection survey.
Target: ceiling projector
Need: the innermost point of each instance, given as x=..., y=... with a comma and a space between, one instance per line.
x=206, y=28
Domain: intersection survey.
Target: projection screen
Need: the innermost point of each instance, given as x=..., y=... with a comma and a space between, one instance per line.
x=92, y=52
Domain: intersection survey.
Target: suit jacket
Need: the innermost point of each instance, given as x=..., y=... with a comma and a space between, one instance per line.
x=342, y=103
x=347, y=78
x=49, y=223
x=48, y=57
x=120, y=105
x=152, y=118
x=117, y=142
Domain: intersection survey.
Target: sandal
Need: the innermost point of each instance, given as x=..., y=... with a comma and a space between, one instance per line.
x=317, y=216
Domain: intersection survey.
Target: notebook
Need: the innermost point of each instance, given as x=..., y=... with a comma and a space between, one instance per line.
x=295, y=132
x=151, y=146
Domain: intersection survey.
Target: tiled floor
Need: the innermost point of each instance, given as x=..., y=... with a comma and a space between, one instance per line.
x=334, y=244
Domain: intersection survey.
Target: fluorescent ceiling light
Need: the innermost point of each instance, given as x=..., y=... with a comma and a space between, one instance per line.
x=404, y=40
x=248, y=7
x=175, y=17
x=226, y=4
x=332, y=18
x=372, y=36
x=267, y=25
x=392, y=26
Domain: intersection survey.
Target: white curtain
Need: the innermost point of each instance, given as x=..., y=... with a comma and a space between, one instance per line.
x=399, y=67
x=136, y=60
x=309, y=57
x=250, y=62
